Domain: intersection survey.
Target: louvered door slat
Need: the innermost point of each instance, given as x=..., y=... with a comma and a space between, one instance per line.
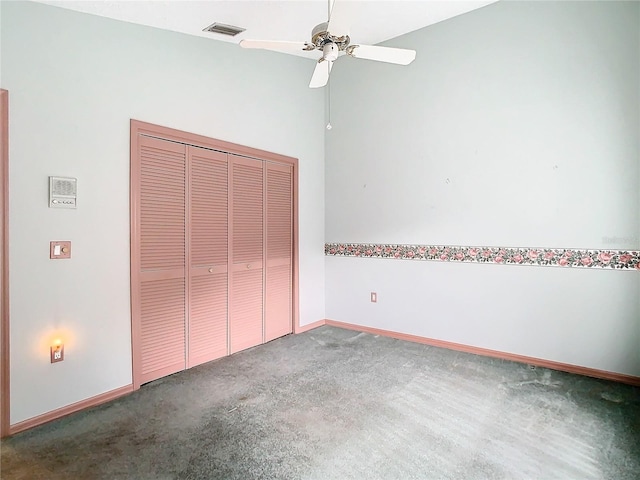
x=246, y=295
x=208, y=241
x=209, y=192
x=278, y=302
x=161, y=223
x=279, y=240
x=208, y=318
x=246, y=313
x=247, y=210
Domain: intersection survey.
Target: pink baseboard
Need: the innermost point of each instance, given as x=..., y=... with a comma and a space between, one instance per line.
x=563, y=367
x=309, y=326
x=69, y=409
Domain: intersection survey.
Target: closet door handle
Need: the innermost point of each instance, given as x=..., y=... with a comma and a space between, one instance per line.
x=211, y=270
x=248, y=266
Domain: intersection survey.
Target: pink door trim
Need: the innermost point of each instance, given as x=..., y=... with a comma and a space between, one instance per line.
x=4, y=259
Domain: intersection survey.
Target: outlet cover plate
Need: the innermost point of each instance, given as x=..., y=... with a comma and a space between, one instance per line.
x=57, y=353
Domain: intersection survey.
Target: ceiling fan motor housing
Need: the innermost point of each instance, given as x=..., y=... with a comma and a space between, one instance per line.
x=319, y=33
x=320, y=38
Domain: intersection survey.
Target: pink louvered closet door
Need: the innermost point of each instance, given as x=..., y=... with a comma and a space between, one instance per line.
x=159, y=296
x=279, y=250
x=212, y=253
x=246, y=255
x=208, y=252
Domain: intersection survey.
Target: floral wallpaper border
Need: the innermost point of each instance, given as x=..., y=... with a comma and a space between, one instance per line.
x=552, y=257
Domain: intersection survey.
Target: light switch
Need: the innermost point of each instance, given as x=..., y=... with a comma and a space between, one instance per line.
x=59, y=250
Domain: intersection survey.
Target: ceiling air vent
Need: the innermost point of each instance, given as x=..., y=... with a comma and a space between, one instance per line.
x=230, y=30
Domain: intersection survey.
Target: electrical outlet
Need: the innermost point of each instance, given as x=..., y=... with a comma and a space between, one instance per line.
x=57, y=352
x=374, y=297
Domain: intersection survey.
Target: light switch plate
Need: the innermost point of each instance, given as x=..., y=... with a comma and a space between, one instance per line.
x=59, y=250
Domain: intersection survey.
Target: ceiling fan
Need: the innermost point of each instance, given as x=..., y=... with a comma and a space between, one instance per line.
x=332, y=39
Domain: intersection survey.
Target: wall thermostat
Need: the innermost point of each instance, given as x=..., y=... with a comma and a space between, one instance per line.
x=62, y=192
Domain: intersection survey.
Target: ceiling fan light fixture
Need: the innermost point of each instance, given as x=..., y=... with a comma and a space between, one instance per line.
x=330, y=51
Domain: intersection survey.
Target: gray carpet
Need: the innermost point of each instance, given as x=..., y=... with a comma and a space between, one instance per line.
x=337, y=404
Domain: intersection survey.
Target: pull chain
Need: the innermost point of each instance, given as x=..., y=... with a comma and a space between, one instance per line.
x=329, y=127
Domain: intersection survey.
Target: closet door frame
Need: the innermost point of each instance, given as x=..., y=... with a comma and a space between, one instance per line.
x=139, y=128
x=5, y=385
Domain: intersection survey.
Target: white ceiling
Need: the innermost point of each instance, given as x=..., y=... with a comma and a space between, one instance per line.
x=371, y=21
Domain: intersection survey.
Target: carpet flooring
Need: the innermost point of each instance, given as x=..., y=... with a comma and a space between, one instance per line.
x=338, y=404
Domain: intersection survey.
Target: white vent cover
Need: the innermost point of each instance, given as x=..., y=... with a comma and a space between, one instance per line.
x=230, y=30
x=62, y=192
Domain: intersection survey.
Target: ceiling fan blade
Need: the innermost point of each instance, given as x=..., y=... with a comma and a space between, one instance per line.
x=321, y=73
x=398, y=56
x=340, y=18
x=274, y=45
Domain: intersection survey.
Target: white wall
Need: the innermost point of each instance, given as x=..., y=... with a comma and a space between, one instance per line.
x=517, y=125
x=74, y=82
